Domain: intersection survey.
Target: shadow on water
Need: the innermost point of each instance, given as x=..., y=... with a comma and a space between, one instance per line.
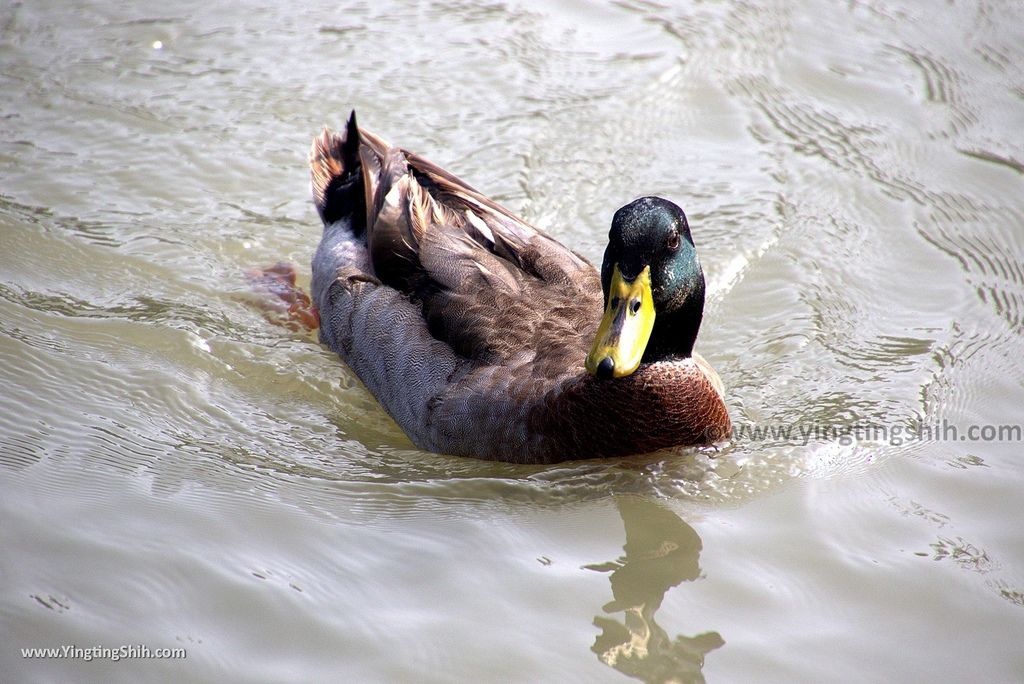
x=661, y=552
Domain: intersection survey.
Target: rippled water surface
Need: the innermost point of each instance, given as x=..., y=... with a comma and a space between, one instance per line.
x=177, y=472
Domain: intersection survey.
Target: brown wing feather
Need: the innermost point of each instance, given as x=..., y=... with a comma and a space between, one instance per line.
x=372, y=151
x=513, y=238
x=490, y=285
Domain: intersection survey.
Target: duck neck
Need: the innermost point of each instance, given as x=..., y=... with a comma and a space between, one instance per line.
x=675, y=331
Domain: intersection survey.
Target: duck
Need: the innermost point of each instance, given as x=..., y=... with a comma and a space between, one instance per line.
x=482, y=336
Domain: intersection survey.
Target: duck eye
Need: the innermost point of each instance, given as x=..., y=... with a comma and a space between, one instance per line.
x=673, y=241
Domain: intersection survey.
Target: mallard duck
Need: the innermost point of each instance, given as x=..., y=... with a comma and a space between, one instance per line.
x=482, y=336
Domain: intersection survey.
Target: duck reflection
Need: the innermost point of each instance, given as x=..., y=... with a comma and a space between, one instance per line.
x=661, y=551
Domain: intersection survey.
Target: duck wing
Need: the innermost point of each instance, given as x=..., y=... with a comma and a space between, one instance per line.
x=490, y=285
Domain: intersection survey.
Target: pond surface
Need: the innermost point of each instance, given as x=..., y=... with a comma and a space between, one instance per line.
x=177, y=472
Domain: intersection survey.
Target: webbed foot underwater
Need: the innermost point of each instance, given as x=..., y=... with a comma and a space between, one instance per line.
x=482, y=336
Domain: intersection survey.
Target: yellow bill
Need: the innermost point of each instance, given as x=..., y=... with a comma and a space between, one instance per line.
x=626, y=327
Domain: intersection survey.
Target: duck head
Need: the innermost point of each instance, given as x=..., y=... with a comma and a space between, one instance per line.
x=653, y=289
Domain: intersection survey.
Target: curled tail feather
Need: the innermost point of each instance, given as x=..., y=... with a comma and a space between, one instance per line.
x=336, y=177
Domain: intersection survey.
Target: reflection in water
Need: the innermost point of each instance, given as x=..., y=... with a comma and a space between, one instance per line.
x=661, y=551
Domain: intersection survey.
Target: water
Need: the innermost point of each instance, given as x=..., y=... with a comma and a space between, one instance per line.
x=175, y=472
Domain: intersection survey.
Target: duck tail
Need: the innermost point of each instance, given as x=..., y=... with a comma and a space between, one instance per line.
x=336, y=176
